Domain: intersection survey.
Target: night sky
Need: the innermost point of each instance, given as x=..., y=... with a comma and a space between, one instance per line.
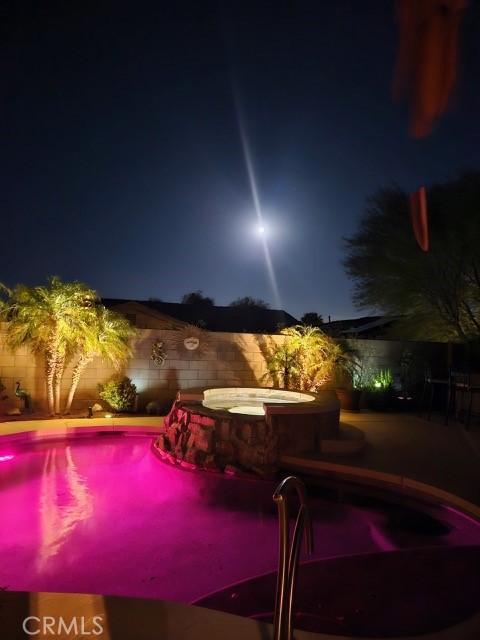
x=121, y=157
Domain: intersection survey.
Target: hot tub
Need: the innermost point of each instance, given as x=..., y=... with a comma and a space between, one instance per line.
x=246, y=427
x=250, y=401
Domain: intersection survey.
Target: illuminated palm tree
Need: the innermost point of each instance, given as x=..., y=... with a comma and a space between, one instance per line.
x=306, y=359
x=108, y=336
x=49, y=320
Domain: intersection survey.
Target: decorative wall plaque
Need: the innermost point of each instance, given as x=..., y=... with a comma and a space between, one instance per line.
x=191, y=343
x=158, y=354
x=191, y=340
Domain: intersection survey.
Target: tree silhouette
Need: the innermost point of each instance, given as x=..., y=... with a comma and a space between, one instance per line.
x=197, y=298
x=437, y=294
x=247, y=301
x=312, y=319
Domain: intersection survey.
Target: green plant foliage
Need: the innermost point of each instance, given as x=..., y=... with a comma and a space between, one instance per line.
x=108, y=336
x=312, y=319
x=119, y=393
x=306, y=360
x=436, y=294
x=64, y=321
x=382, y=381
x=152, y=408
x=49, y=319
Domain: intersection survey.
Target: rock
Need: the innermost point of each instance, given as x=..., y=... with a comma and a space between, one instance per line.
x=223, y=430
x=226, y=451
x=231, y=470
x=14, y=412
x=97, y=407
x=246, y=433
x=210, y=464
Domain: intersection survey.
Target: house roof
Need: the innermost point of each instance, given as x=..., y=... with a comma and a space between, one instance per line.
x=367, y=325
x=215, y=318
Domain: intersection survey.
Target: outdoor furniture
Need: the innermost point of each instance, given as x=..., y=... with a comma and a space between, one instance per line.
x=460, y=392
x=430, y=384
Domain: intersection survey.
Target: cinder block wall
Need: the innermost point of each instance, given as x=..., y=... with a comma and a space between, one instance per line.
x=387, y=354
x=221, y=359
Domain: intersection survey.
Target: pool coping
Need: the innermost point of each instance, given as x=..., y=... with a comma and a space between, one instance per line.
x=381, y=479
x=28, y=431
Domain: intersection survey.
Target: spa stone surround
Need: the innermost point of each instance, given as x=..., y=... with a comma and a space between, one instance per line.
x=238, y=435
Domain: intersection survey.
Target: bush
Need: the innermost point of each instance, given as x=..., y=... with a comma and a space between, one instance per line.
x=152, y=408
x=306, y=360
x=119, y=393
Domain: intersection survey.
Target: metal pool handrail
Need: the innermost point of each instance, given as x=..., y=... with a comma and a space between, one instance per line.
x=289, y=553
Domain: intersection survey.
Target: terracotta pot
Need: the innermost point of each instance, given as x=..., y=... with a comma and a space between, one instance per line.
x=349, y=399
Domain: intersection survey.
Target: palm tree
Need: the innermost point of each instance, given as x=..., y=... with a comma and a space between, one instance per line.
x=48, y=319
x=307, y=358
x=108, y=336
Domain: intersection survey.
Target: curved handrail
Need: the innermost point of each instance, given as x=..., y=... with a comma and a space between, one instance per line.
x=288, y=554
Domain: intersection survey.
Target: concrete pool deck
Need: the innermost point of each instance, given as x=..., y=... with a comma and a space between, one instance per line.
x=138, y=619
x=407, y=452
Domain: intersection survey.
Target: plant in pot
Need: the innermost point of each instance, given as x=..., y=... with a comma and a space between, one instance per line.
x=380, y=390
x=348, y=380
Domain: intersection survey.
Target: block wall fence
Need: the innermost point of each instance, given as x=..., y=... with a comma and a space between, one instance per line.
x=221, y=359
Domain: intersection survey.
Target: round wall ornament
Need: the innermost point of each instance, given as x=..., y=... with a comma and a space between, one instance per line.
x=192, y=340
x=191, y=343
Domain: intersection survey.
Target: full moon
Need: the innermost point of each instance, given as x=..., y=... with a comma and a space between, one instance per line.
x=261, y=230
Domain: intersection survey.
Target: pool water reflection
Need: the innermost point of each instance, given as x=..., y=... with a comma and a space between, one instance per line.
x=104, y=515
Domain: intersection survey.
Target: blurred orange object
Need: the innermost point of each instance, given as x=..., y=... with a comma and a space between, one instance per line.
x=426, y=66
x=419, y=215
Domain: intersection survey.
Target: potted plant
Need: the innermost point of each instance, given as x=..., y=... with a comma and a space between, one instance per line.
x=380, y=390
x=349, y=381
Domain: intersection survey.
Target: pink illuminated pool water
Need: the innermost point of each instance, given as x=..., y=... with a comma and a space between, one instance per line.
x=105, y=515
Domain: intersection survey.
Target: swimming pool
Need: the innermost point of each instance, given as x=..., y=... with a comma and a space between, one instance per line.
x=103, y=515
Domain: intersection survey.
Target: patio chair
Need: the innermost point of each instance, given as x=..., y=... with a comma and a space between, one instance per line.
x=430, y=383
x=461, y=389
x=457, y=388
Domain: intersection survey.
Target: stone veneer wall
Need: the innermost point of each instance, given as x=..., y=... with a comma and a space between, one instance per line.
x=216, y=439
x=223, y=359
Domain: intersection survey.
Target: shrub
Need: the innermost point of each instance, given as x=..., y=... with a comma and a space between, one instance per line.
x=152, y=408
x=3, y=396
x=382, y=380
x=306, y=360
x=119, y=393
